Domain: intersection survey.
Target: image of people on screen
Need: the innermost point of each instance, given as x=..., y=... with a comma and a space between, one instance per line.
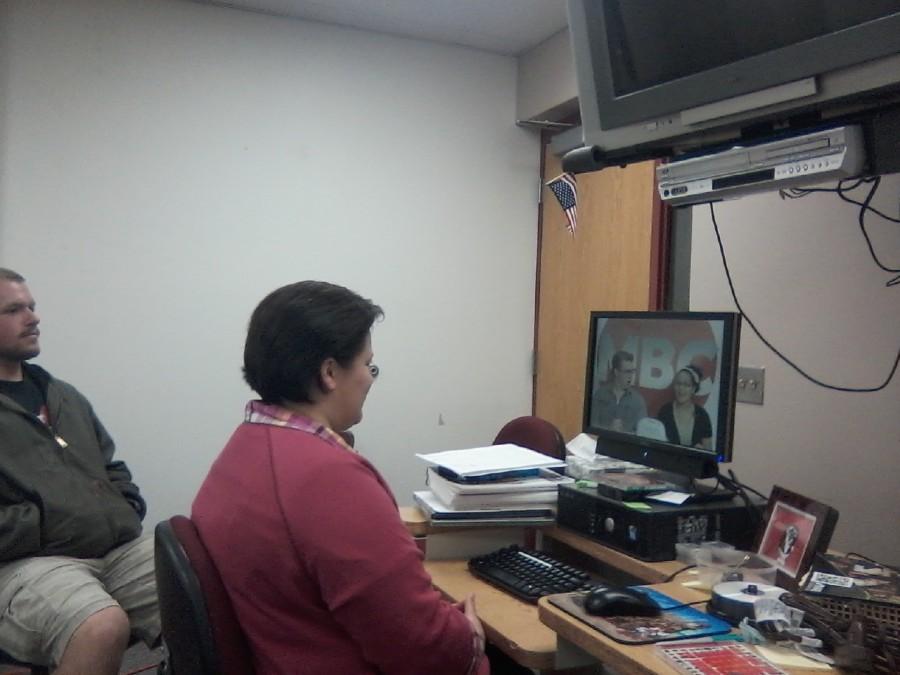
x=616, y=403
x=686, y=422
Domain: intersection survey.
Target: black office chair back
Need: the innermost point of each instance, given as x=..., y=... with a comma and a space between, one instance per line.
x=199, y=626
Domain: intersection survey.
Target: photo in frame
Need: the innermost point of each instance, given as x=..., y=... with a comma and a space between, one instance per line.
x=796, y=529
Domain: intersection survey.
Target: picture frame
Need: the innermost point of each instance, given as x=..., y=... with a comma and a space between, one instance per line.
x=796, y=529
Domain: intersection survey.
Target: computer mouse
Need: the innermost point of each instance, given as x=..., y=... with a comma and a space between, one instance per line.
x=610, y=601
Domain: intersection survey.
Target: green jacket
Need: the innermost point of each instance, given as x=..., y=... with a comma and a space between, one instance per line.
x=61, y=493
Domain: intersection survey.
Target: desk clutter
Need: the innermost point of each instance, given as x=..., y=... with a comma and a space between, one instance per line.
x=854, y=602
x=498, y=484
x=772, y=585
x=848, y=585
x=676, y=621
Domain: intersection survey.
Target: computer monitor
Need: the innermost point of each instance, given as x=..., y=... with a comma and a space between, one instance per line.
x=660, y=388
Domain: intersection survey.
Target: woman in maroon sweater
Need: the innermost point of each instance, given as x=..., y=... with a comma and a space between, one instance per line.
x=323, y=575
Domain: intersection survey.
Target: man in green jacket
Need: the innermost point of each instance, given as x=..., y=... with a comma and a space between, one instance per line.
x=76, y=575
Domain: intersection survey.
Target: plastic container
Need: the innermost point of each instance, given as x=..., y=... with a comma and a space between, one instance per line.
x=717, y=561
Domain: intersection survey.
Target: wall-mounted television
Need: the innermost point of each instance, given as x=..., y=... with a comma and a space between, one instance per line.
x=660, y=388
x=657, y=78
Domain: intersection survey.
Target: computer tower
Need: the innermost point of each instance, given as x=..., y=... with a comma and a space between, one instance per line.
x=650, y=533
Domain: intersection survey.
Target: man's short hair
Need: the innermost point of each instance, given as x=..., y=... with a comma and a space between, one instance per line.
x=295, y=329
x=620, y=357
x=10, y=275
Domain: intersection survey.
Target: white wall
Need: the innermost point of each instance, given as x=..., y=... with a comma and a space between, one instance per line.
x=804, y=276
x=547, y=89
x=165, y=164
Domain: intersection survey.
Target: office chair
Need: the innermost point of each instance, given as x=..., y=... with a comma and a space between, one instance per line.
x=535, y=434
x=199, y=625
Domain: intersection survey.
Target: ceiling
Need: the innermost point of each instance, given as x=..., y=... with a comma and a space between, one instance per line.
x=508, y=27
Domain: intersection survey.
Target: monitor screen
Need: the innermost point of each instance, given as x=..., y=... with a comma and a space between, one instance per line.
x=660, y=387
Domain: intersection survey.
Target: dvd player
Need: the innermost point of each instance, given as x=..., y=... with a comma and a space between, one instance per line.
x=797, y=160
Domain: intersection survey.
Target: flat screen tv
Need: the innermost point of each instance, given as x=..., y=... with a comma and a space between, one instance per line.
x=660, y=388
x=661, y=77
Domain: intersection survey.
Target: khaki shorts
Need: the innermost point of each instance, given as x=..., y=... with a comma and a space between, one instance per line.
x=43, y=600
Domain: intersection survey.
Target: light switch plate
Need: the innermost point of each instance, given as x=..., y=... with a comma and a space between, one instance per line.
x=751, y=385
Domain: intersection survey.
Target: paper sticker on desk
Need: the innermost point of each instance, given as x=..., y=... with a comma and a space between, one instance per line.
x=670, y=497
x=683, y=623
x=831, y=580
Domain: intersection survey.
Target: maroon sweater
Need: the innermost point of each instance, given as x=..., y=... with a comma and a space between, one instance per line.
x=324, y=577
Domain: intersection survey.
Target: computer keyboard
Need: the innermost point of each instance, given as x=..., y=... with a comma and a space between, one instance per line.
x=527, y=574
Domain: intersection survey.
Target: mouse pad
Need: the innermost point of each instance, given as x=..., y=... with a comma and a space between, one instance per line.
x=673, y=624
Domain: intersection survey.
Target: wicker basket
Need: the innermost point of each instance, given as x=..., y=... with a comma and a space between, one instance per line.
x=846, y=608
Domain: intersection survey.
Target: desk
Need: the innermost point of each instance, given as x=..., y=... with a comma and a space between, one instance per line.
x=420, y=526
x=512, y=625
x=644, y=572
x=631, y=659
x=528, y=633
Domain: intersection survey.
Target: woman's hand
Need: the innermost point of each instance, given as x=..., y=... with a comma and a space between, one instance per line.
x=467, y=607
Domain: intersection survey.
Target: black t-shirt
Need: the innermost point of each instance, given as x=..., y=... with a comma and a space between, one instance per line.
x=27, y=394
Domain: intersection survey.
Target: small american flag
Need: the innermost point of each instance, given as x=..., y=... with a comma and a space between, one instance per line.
x=566, y=192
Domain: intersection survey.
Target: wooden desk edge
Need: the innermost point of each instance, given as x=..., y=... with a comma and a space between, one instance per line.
x=533, y=647
x=416, y=522
x=631, y=659
x=638, y=659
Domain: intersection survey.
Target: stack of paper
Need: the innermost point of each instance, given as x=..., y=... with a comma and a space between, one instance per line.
x=490, y=485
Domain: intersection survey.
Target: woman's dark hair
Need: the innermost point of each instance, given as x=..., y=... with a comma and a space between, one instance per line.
x=295, y=329
x=695, y=374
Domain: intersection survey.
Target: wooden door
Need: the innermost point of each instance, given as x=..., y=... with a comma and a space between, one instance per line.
x=615, y=261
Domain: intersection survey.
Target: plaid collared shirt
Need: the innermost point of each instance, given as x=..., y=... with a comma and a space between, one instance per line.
x=258, y=412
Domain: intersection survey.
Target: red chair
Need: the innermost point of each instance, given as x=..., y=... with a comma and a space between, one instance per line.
x=535, y=434
x=199, y=625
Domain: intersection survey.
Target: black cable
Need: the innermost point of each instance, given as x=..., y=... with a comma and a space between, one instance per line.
x=862, y=227
x=772, y=347
x=840, y=191
x=676, y=573
x=735, y=480
x=699, y=491
x=754, y=511
x=865, y=205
